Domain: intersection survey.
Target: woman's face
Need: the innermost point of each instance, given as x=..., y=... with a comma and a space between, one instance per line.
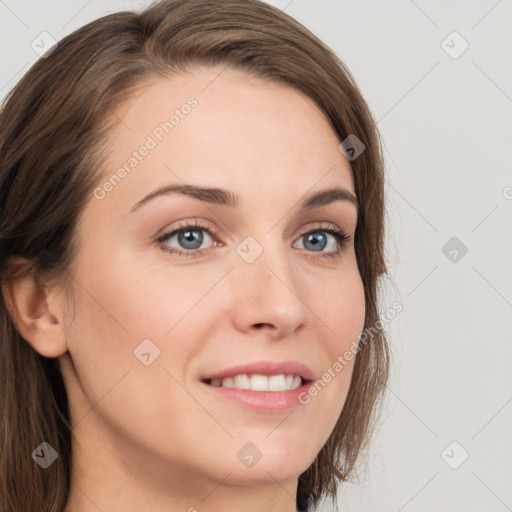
x=243, y=284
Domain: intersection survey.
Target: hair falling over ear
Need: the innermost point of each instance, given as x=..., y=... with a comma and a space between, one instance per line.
x=52, y=126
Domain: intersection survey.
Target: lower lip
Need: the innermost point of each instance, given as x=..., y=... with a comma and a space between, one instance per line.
x=263, y=401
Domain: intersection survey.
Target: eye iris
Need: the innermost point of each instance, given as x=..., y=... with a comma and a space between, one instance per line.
x=312, y=237
x=190, y=236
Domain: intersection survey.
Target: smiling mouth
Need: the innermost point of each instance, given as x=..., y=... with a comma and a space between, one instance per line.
x=258, y=382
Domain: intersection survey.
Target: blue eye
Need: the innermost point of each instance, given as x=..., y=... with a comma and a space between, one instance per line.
x=317, y=240
x=190, y=237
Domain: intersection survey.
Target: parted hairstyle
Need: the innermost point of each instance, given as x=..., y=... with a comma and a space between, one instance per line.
x=53, y=127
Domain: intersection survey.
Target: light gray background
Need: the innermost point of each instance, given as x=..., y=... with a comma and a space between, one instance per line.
x=447, y=129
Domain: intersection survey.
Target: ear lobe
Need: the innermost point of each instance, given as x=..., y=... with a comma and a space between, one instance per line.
x=31, y=308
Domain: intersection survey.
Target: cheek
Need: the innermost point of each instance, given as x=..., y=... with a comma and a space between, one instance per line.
x=117, y=312
x=138, y=298
x=124, y=302
x=341, y=314
x=341, y=309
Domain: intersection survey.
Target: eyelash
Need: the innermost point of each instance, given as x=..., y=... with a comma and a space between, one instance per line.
x=342, y=239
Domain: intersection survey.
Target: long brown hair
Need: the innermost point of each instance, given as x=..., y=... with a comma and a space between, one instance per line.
x=52, y=125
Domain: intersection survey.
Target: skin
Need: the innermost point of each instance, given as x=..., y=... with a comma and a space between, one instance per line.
x=150, y=437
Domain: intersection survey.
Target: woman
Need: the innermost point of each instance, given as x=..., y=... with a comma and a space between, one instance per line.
x=191, y=237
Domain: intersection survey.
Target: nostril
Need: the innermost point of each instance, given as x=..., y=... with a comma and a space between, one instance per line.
x=259, y=326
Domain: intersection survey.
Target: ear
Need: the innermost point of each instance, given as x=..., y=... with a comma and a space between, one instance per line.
x=35, y=310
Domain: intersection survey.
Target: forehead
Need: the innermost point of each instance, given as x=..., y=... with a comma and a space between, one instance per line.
x=221, y=127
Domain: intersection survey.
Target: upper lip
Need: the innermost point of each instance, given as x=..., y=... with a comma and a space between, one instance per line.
x=265, y=368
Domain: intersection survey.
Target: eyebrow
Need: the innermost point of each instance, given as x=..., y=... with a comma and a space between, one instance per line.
x=224, y=197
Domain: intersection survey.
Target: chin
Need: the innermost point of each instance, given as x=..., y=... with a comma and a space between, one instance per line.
x=275, y=465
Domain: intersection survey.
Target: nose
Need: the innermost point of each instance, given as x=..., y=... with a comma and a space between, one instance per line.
x=268, y=295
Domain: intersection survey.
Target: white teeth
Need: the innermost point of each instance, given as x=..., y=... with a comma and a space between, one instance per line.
x=242, y=382
x=257, y=382
x=296, y=382
x=277, y=383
